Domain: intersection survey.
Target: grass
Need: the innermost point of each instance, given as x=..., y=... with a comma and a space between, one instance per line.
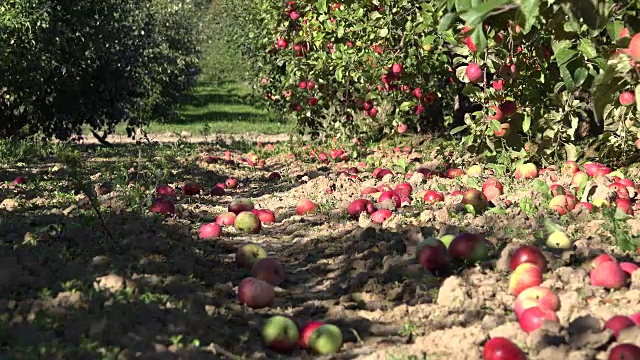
x=226, y=109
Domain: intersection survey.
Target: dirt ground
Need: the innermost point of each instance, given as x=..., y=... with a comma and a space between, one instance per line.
x=126, y=284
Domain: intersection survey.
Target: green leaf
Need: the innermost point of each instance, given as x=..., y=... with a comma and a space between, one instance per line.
x=375, y=15
x=572, y=152
x=496, y=210
x=476, y=15
x=526, y=123
x=457, y=129
x=321, y=5
x=541, y=187
x=530, y=9
x=478, y=38
x=462, y=5
x=587, y=48
x=550, y=226
x=406, y=105
x=445, y=22
x=563, y=52
x=495, y=125
x=470, y=209
x=580, y=75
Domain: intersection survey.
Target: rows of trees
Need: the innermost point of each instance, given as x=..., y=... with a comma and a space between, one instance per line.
x=68, y=64
x=542, y=79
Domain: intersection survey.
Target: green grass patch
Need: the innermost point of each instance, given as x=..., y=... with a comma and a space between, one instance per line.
x=228, y=109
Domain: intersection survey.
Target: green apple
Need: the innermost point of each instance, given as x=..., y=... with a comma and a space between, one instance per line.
x=326, y=339
x=558, y=240
x=280, y=333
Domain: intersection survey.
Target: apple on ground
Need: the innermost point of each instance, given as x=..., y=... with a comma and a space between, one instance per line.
x=274, y=176
x=404, y=188
x=469, y=247
x=562, y=204
x=625, y=352
x=231, y=183
x=602, y=258
x=528, y=254
x=536, y=296
x=402, y=128
x=618, y=323
x=256, y=293
x=532, y=318
x=165, y=190
x=305, y=206
x=306, y=332
x=239, y=205
x=163, y=205
x=476, y=199
x=609, y=275
x=248, y=255
x=635, y=317
x=266, y=216
x=216, y=190
x=209, y=231
x=586, y=205
x=20, y=180
x=558, y=240
x=191, y=188
x=269, y=270
x=526, y=171
x=578, y=178
x=381, y=215
x=247, y=222
x=500, y=348
x=525, y=276
x=432, y=254
x=432, y=197
x=474, y=171
x=326, y=339
x=628, y=267
x=390, y=198
x=569, y=167
x=359, y=206
x=226, y=219
x=454, y=173
x=280, y=333
x=369, y=190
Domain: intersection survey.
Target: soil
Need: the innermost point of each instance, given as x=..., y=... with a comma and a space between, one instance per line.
x=127, y=284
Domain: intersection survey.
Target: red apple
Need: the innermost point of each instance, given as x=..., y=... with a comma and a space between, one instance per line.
x=627, y=98
x=586, y=205
x=608, y=275
x=191, y=188
x=390, y=197
x=432, y=254
x=570, y=167
x=231, y=183
x=269, y=270
x=369, y=190
x=255, y=293
x=536, y=296
x=476, y=199
x=602, y=258
x=305, y=206
x=628, y=267
x=306, y=332
x=359, y=206
x=274, y=176
x=226, y=219
x=432, y=197
x=454, y=173
x=209, y=231
x=163, y=205
x=635, y=317
x=266, y=216
x=20, y=180
x=380, y=216
x=280, y=334
x=525, y=276
x=402, y=128
x=239, y=205
x=474, y=73
x=217, y=191
x=165, y=190
x=403, y=188
x=499, y=348
x=618, y=323
x=625, y=352
x=528, y=254
x=469, y=247
x=532, y=318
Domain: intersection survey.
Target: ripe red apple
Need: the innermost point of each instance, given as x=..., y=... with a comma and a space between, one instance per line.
x=280, y=334
x=476, y=199
x=294, y=15
x=281, y=43
x=390, y=197
x=269, y=270
x=591, y=167
x=625, y=352
x=504, y=130
x=469, y=247
x=305, y=206
x=163, y=205
x=403, y=188
x=634, y=47
x=217, y=190
x=526, y=275
x=618, y=323
x=585, y=205
x=474, y=73
x=417, y=92
x=570, y=167
x=432, y=197
x=526, y=171
x=209, y=231
x=608, y=275
x=248, y=254
x=536, y=296
x=492, y=182
x=499, y=348
x=635, y=317
x=432, y=254
x=191, y=188
x=231, y=183
x=306, y=332
x=625, y=205
x=380, y=216
x=454, y=173
x=602, y=258
x=528, y=254
x=508, y=71
x=628, y=267
x=627, y=98
x=226, y=219
x=396, y=68
x=532, y=318
x=382, y=173
x=165, y=190
x=359, y=206
x=369, y=190
x=255, y=293
x=247, y=222
x=562, y=204
x=402, y=128
x=239, y=205
x=311, y=85
x=20, y=180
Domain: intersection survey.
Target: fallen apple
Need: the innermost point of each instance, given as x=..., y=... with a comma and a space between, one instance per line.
x=526, y=171
x=381, y=215
x=525, y=276
x=558, y=240
x=247, y=222
x=469, y=247
x=239, y=205
x=255, y=293
x=432, y=197
x=191, y=188
x=528, y=254
x=608, y=275
x=226, y=219
x=476, y=199
x=266, y=216
x=536, y=296
x=306, y=332
x=432, y=254
x=390, y=198
x=305, y=206
x=500, y=348
x=269, y=270
x=618, y=323
x=359, y=206
x=165, y=190
x=163, y=205
x=217, y=190
x=532, y=318
x=280, y=333
x=209, y=231
x=248, y=254
x=326, y=339
x=624, y=352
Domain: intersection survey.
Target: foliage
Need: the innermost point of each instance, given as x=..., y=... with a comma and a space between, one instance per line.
x=550, y=60
x=97, y=62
